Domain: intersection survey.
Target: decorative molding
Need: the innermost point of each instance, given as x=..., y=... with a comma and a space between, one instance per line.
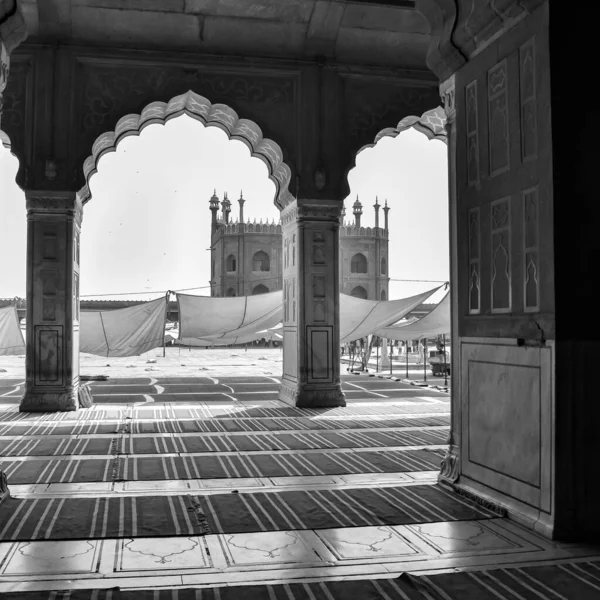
x=13, y=29
x=4, y=491
x=450, y=467
x=501, y=280
x=474, y=228
x=473, y=497
x=448, y=96
x=498, y=129
x=531, y=233
x=211, y=115
x=319, y=212
x=472, y=133
x=14, y=108
x=65, y=203
x=527, y=89
x=289, y=214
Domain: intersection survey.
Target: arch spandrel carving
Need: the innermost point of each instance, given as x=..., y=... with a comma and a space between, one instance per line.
x=211, y=115
x=109, y=89
x=431, y=123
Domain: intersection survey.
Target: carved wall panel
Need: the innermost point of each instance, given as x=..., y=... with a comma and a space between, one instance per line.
x=527, y=73
x=49, y=365
x=531, y=250
x=498, y=119
x=474, y=262
x=501, y=285
x=371, y=105
x=16, y=99
x=472, y=132
x=49, y=279
x=319, y=354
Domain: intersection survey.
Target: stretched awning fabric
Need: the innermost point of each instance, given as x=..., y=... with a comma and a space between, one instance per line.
x=360, y=318
x=11, y=337
x=437, y=322
x=208, y=321
x=127, y=331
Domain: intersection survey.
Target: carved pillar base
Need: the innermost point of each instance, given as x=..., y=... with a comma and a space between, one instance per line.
x=39, y=401
x=450, y=467
x=310, y=397
x=4, y=491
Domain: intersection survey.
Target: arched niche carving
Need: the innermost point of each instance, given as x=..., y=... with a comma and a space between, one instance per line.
x=211, y=115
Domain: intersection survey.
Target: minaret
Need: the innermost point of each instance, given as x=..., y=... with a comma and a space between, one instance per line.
x=376, y=207
x=214, y=208
x=386, y=210
x=342, y=218
x=357, y=206
x=241, y=202
x=226, y=205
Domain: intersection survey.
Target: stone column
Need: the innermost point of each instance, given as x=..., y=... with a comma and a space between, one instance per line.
x=450, y=467
x=311, y=332
x=52, y=357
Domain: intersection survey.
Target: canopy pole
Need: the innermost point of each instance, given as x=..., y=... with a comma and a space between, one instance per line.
x=425, y=359
x=445, y=365
x=391, y=356
x=378, y=338
x=165, y=327
x=406, y=352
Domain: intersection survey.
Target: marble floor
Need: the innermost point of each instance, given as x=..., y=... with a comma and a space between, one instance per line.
x=257, y=556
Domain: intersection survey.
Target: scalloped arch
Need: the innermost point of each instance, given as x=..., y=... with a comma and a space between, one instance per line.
x=6, y=143
x=211, y=115
x=431, y=123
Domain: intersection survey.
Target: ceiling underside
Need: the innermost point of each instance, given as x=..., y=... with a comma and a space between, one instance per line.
x=367, y=32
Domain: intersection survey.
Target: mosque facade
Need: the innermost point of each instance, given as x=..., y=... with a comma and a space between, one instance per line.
x=247, y=258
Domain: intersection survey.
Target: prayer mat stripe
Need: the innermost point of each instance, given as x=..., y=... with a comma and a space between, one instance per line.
x=216, y=425
x=200, y=412
x=222, y=443
x=576, y=580
x=157, y=516
x=140, y=468
x=548, y=582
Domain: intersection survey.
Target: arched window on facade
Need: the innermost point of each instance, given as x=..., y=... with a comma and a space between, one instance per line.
x=358, y=264
x=260, y=289
x=230, y=293
x=359, y=292
x=383, y=295
x=383, y=266
x=261, y=261
x=231, y=263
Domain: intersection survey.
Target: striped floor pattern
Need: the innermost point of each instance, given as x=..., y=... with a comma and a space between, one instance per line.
x=131, y=444
x=568, y=581
x=156, y=516
x=215, y=425
x=119, y=468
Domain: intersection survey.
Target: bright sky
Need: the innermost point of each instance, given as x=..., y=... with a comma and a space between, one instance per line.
x=147, y=227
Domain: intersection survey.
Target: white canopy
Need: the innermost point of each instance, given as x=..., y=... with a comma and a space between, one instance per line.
x=437, y=322
x=11, y=337
x=359, y=318
x=207, y=321
x=125, y=331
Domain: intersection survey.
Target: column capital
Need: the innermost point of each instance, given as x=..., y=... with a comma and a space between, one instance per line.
x=54, y=203
x=312, y=210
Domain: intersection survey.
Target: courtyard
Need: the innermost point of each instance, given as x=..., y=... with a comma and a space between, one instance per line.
x=188, y=472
